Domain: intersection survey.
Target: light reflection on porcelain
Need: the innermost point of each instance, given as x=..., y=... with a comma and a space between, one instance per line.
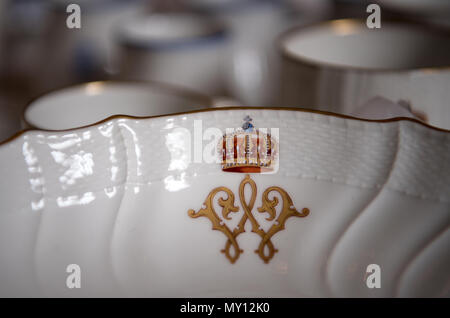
x=78, y=166
x=73, y=200
x=179, y=145
x=176, y=183
x=37, y=182
x=111, y=192
x=169, y=124
x=114, y=197
x=137, y=146
x=66, y=143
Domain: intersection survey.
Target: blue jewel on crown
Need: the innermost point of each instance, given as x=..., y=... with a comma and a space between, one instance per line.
x=248, y=126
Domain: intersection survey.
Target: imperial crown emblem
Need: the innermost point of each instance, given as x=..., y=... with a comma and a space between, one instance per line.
x=248, y=150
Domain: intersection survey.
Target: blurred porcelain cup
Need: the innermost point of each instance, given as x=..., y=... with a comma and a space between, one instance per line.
x=176, y=48
x=252, y=62
x=90, y=103
x=74, y=55
x=340, y=65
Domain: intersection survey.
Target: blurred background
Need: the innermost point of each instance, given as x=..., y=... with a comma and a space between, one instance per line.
x=221, y=48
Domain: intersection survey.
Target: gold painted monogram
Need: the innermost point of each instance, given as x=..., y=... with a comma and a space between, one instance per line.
x=265, y=250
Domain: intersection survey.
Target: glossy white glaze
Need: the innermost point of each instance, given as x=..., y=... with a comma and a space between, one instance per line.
x=113, y=198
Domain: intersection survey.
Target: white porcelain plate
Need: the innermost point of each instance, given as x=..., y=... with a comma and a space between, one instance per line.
x=114, y=199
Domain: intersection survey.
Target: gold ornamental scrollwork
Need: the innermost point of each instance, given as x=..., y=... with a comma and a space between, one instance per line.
x=226, y=201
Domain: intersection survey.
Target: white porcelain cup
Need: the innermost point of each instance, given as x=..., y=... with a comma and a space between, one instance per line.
x=252, y=63
x=176, y=48
x=90, y=103
x=340, y=65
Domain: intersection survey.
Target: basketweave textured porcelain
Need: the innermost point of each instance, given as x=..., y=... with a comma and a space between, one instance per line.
x=121, y=200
